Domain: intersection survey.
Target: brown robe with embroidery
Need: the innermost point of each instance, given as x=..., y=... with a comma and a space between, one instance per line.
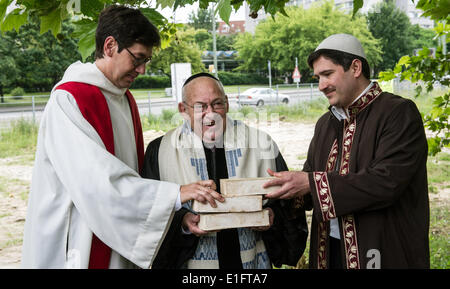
x=370, y=173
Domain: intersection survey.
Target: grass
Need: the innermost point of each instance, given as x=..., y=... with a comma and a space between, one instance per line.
x=20, y=139
x=168, y=119
x=439, y=239
x=438, y=169
x=19, y=187
x=308, y=111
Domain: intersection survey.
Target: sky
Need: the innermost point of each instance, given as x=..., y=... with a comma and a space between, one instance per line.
x=182, y=14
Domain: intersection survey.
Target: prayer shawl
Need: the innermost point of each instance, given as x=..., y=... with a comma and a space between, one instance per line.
x=249, y=152
x=80, y=191
x=369, y=172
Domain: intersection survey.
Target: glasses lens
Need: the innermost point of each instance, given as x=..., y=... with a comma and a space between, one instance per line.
x=200, y=106
x=218, y=105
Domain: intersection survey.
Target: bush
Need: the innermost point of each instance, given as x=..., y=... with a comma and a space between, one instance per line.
x=151, y=81
x=18, y=92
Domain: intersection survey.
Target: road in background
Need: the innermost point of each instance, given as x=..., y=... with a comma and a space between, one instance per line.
x=157, y=105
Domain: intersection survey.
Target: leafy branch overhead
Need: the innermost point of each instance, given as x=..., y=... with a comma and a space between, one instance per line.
x=85, y=13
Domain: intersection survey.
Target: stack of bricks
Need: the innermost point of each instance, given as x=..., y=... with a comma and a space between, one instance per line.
x=243, y=206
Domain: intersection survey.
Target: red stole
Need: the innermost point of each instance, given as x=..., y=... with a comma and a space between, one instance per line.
x=94, y=108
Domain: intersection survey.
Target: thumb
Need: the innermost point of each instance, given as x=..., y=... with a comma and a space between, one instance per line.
x=196, y=218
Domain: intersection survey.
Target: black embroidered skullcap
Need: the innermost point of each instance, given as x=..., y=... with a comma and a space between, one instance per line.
x=192, y=77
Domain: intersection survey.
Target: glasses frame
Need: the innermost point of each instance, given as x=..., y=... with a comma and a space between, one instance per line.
x=138, y=61
x=205, y=105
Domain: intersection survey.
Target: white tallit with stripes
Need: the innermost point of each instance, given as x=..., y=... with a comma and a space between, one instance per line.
x=248, y=152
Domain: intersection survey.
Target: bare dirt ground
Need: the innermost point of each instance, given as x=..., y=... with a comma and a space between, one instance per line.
x=292, y=138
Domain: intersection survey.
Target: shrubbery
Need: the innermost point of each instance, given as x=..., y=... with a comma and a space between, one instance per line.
x=226, y=77
x=235, y=78
x=18, y=92
x=151, y=81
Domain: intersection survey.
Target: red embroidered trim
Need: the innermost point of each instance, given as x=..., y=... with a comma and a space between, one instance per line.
x=351, y=242
x=322, y=249
x=331, y=162
x=322, y=229
x=349, y=132
x=324, y=195
x=364, y=100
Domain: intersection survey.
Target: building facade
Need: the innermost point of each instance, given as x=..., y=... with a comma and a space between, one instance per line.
x=407, y=6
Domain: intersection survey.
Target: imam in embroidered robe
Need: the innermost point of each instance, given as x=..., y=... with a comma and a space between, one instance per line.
x=245, y=248
x=81, y=191
x=369, y=173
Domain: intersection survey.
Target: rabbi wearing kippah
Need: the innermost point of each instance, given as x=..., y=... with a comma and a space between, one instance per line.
x=365, y=175
x=211, y=145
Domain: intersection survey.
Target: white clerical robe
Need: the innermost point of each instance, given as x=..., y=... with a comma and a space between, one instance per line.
x=79, y=189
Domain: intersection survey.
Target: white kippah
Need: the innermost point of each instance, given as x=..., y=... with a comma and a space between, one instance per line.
x=343, y=42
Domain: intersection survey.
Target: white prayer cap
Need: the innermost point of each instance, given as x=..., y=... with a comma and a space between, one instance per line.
x=343, y=42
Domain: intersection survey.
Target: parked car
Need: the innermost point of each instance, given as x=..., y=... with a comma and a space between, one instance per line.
x=260, y=96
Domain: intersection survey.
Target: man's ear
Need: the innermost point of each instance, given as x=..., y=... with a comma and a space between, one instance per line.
x=181, y=107
x=109, y=46
x=227, y=103
x=356, y=68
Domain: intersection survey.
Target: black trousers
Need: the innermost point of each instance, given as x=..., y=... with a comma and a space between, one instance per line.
x=335, y=254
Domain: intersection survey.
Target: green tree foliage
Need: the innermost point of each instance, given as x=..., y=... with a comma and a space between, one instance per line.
x=430, y=70
x=422, y=37
x=52, y=13
x=182, y=51
x=36, y=61
x=7, y=64
x=392, y=27
x=202, y=19
x=204, y=40
x=281, y=39
x=397, y=36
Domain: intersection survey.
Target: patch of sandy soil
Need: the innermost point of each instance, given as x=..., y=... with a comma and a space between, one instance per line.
x=292, y=139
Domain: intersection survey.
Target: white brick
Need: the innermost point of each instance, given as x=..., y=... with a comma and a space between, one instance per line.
x=245, y=187
x=231, y=204
x=210, y=222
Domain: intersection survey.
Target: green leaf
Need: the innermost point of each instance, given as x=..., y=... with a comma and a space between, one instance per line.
x=14, y=20
x=165, y=3
x=91, y=8
x=3, y=5
x=85, y=32
x=357, y=4
x=154, y=16
x=404, y=61
x=52, y=21
x=387, y=75
x=224, y=8
x=434, y=145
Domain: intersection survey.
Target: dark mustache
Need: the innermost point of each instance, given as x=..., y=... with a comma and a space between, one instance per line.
x=328, y=89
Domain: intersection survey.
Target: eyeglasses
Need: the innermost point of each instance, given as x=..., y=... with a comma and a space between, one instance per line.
x=216, y=105
x=138, y=61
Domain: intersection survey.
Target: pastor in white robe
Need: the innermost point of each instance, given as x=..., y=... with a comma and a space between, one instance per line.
x=79, y=189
